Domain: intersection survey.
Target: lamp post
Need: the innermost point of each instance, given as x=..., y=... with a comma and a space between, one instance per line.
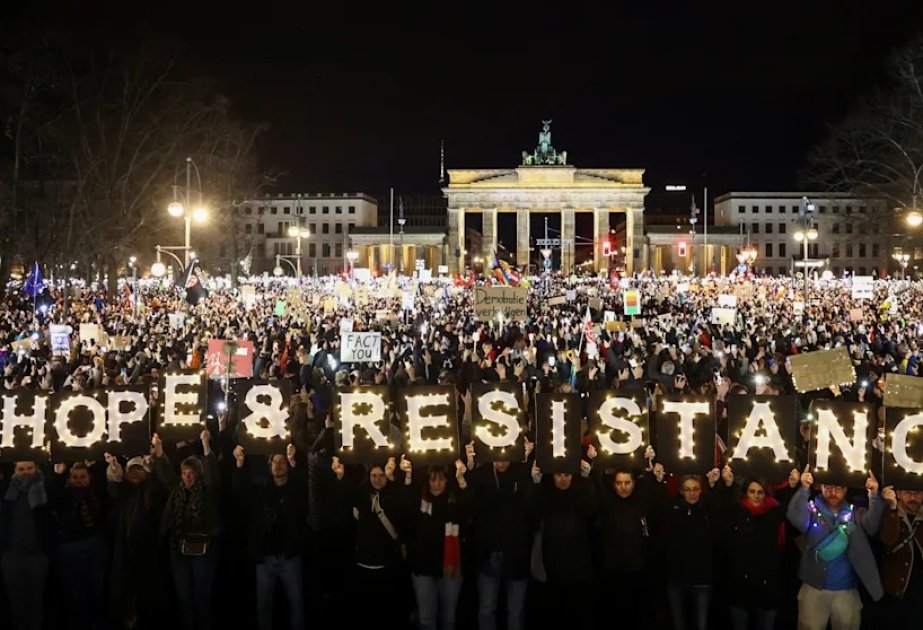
x=805, y=235
x=297, y=232
x=133, y=263
x=902, y=260
x=400, y=261
x=352, y=256
x=184, y=209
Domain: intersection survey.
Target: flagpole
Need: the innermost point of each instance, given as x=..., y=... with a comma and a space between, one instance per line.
x=391, y=235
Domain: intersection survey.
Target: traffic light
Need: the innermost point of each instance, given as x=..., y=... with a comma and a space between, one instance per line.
x=682, y=249
x=607, y=248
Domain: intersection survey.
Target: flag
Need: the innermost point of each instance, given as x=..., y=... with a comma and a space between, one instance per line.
x=588, y=330
x=34, y=284
x=192, y=282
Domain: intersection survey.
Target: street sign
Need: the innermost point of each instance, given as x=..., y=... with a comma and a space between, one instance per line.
x=554, y=242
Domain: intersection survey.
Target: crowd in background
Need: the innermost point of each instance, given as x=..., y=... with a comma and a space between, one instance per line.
x=203, y=533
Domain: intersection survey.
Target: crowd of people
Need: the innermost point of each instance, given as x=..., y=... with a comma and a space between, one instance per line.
x=199, y=534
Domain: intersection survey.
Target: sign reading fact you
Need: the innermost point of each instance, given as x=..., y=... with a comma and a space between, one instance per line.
x=495, y=302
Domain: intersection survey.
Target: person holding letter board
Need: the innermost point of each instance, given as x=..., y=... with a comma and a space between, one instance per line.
x=837, y=553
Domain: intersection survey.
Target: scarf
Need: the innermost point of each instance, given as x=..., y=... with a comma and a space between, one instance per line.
x=187, y=507
x=33, y=486
x=768, y=504
x=84, y=507
x=451, y=542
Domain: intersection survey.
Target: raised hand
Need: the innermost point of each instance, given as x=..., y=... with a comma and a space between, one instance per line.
x=60, y=468
x=405, y=465
x=591, y=452
x=659, y=472
x=290, y=452
x=527, y=448
x=793, y=478
x=390, y=467
x=536, y=473
x=871, y=484
x=585, y=468
x=338, y=469
x=807, y=479
x=712, y=476
x=156, y=446
x=727, y=475
x=239, y=456
x=890, y=497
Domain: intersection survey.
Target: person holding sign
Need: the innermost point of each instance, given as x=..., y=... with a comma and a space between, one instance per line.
x=837, y=554
x=902, y=566
x=276, y=513
x=191, y=522
x=381, y=517
x=26, y=534
x=753, y=537
x=434, y=542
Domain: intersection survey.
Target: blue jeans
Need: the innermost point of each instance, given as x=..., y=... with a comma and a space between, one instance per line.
x=701, y=599
x=489, y=582
x=194, y=578
x=762, y=619
x=80, y=571
x=437, y=599
x=288, y=571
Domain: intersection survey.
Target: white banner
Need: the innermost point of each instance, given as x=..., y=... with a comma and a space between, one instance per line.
x=60, y=337
x=360, y=347
x=863, y=287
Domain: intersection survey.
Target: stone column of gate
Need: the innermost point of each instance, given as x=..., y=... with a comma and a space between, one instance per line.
x=568, y=229
x=600, y=234
x=522, y=239
x=489, y=234
x=634, y=239
x=456, y=225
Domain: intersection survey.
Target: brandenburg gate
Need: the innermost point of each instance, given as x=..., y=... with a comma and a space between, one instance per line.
x=546, y=183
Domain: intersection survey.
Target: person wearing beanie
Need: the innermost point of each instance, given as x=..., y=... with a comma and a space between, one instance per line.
x=752, y=538
x=191, y=523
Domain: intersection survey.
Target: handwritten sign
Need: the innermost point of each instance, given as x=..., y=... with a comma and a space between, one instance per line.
x=495, y=302
x=360, y=347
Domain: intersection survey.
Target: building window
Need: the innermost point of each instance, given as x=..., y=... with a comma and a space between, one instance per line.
x=260, y=250
x=741, y=209
x=768, y=209
x=755, y=209
x=849, y=250
x=274, y=210
x=768, y=250
x=249, y=210
x=849, y=228
x=861, y=209
x=875, y=250
x=836, y=209
x=248, y=229
x=795, y=209
x=339, y=228
x=325, y=250
x=783, y=271
x=848, y=209
x=338, y=250
x=339, y=209
x=836, y=228
x=325, y=228
x=283, y=227
x=822, y=209
x=782, y=228
x=782, y=250
x=314, y=228
x=861, y=250
x=835, y=250
x=325, y=209
x=312, y=210
x=781, y=209
x=352, y=228
x=768, y=228
x=755, y=228
x=312, y=250
x=352, y=209
x=287, y=210
x=259, y=228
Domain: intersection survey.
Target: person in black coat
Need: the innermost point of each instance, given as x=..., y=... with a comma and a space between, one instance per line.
x=624, y=528
x=277, y=518
x=380, y=514
x=26, y=538
x=565, y=511
x=753, y=539
x=437, y=511
x=688, y=539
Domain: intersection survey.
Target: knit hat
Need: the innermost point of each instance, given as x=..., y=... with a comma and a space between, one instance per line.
x=195, y=463
x=138, y=461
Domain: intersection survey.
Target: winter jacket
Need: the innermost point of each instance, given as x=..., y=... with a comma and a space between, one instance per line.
x=566, y=523
x=897, y=565
x=689, y=540
x=276, y=515
x=813, y=570
x=426, y=531
x=43, y=522
x=209, y=522
x=501, y=522
x=624, y=526
x=375, y=547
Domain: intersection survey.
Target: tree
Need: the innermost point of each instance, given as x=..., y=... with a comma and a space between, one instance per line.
x=877, y=149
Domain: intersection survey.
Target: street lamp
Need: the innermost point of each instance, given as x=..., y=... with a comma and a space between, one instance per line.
x=158, y=269
x=133, y=263
x=805, y=235
x=902, y=260
x=297, y=232
x=352, y=256
x=184, y=209
x=400, y=261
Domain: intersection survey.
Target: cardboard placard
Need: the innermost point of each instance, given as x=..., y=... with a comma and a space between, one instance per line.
x=239, y=352
x=727, y=300
x=763, y=431
x=122, y=343
x=903, y=390
x=264, y=423
x=903, y=463
x=360, y=347
x=822, y=369
x=620, y=421
x=557, y=433
x=855, y=315
x=724, y=316
x=90, y=332
x=362, y=415
x=558, y=300
x=494, y=302
x=616, y=326
x=498, y=421
x=686, y=433
x=863, y=287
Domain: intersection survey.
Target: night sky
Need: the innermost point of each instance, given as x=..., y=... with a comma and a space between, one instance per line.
x=723, y=94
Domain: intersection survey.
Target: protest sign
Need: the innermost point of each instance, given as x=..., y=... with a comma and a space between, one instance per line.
x=495, y=302
x=90, y=332
x=264, y=426
x=557, y=432
x=346, y=325
x=863, y=287
x=248, y=295
x=727, y=301
x=687, y=421
x=724, y=316
x=558, y=300
x=620, y=421
x=22, y=436
x=497, y=422
x=903, y=390
x=431, y=421
x=60, y=338
x=762, y=431
x=360, y=347
x=84, y=426
x=363, y=428
x=855, y=315
x=362, y=274
x=632, y=302
x=903, y=464
x=822, y=369
x=181, y=405
x=841, y=441
x=239, y=352
x=176, y=320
